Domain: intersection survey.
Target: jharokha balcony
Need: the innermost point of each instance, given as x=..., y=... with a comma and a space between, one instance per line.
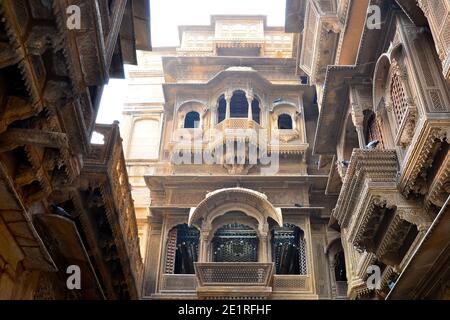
x=232, y=256
x=104, y=187
x=373, y=214
x=217, y=280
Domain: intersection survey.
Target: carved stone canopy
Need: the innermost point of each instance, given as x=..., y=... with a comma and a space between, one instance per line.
x=246, y=197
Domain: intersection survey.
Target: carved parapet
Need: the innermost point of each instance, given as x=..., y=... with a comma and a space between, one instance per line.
x=286, y=136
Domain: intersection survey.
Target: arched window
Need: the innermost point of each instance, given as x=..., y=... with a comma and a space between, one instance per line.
x=284, y=121
x=221, y=110
x=239, y=105
x=235, y=242
x=182, y=250
x=256, y=111
x=289, y=250
x=192, y=120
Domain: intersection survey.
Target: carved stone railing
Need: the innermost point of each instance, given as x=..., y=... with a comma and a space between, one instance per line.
x=178, y=283
x=288, y=141
x=108, y=159
x=233, y=273
x=239, y=41
x=286, y=135
x=291, y=283
x=233, y=280
x=234, y=127
x=237, y=123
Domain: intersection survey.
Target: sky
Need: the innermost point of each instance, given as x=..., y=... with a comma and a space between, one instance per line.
x=166, y=16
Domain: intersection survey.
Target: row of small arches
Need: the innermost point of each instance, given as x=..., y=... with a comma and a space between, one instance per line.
x=237, y=242
x=192, y=120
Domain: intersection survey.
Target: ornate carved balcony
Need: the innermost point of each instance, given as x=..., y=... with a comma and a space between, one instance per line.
x=369, y=170
x=104, y=186
x=233, y=279
x=377, y=217
x=321, y=32
x=237, y=123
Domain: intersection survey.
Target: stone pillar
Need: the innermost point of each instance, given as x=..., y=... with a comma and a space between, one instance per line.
x=358, y=122
x=249, y=101
x=361, y=138
x=360, y=100
x=204, y=245
x=228, y=100
x=263, y=252
x=294, y=121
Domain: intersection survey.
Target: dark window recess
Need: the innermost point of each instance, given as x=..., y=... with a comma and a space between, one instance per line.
x=239, y=105
x=192, y=120
x=339, y=267
x=256, y=111
x=187, y=241
x=284, y=121
x=289, y=250
x=304, y=80
x=221, y=109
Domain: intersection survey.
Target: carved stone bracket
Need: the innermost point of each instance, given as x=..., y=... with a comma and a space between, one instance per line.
x=416, y=216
